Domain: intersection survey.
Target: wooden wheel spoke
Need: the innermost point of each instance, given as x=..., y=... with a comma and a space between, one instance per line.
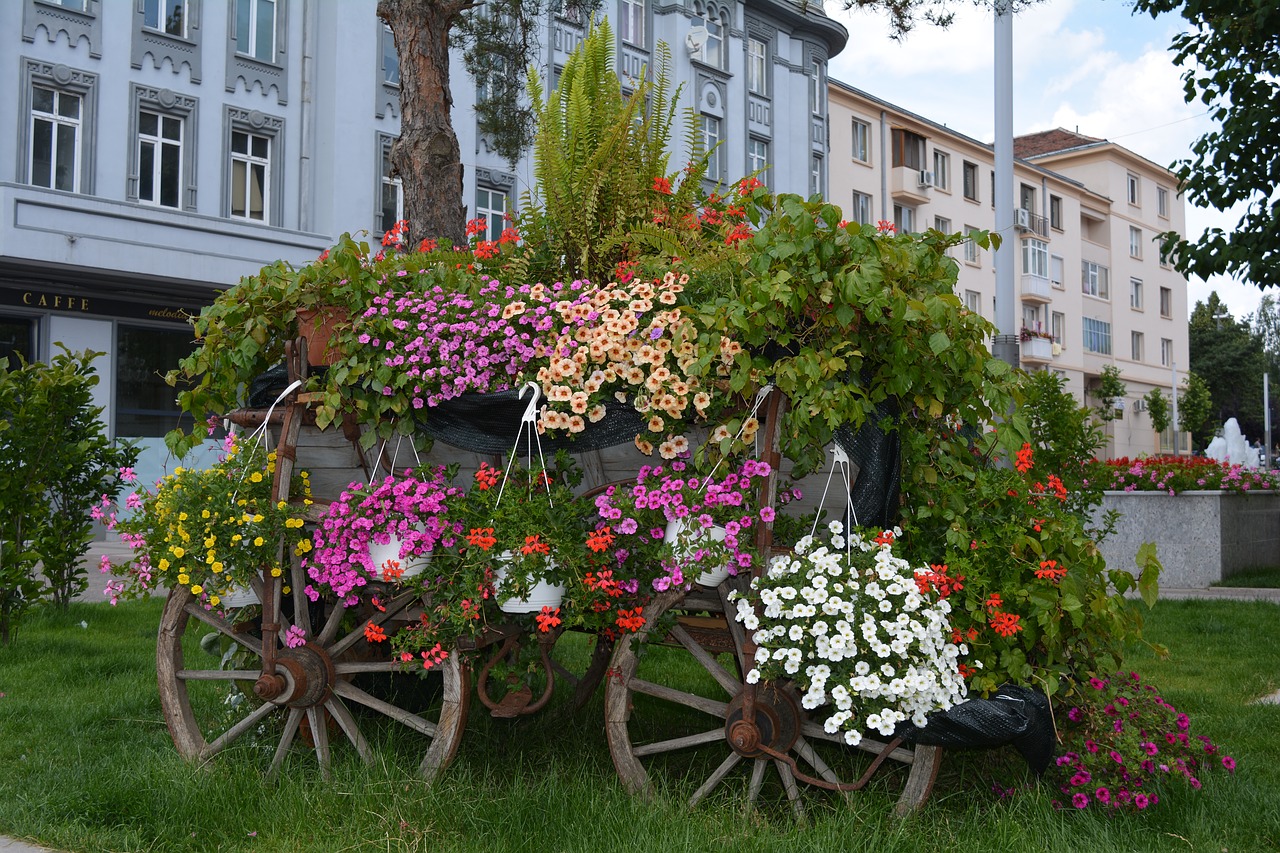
x=254, y=717
x=715, y=778
x=793, y=790
x=331, y=624
x=675, y=743
x=349, y=727
x=757, y=779
x=722, y=676
x=348, y=691
x=301, y=613
x=871, y=745
x=670, y=694
x=320, y=736
x=811, y=757
x=223, y=627
x=350, y=667
x=286, y=740
x=393, y=607
x=219, y=674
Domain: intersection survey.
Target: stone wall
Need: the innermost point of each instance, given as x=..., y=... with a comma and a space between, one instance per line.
x=1201, y=537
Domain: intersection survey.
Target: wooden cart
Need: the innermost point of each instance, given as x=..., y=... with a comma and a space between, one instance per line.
x=661, y=720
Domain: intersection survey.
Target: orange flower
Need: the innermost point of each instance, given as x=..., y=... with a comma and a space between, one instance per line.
x=1025, y=461
x=534, y=545
x=1005, y=624
x=662, y=185
x=548, y=619
x=885, y=538
x=487, y=477
x=630, y=620
x=994, y=601
x=482, y=538
x=391, y=570
x=1050, y=570
x=374, y=633
x=600, y=539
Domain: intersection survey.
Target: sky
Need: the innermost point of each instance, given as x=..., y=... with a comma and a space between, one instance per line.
x=1086, y=65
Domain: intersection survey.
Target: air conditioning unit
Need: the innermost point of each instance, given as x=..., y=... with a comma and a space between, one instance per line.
x=926, y=179
x=1140, y=405
x=1024, y=219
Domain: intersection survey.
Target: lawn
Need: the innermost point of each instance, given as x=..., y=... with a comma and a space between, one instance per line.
x=89, y=766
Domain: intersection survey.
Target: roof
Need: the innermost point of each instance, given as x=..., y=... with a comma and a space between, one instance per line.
x=1051, y=142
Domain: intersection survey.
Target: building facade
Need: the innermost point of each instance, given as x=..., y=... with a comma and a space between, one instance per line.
x=161, y=149
x=1092, y=288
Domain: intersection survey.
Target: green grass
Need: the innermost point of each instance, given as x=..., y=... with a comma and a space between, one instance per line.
x=87, y=765
x=1262, y=577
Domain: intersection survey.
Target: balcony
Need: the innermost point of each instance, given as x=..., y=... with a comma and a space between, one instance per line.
x=1037, y=350
x=1036, y=288
x=908, y=185
x=1029, y=222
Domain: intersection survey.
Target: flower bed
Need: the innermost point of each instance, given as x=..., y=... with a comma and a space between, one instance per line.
x=1173, y=474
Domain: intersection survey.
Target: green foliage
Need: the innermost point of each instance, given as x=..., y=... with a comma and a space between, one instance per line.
x=1230, y=358
x=1109, y=391
x=1157, y=409
x=56, y=462
x=1232, y=68
x=1063, y=435
x=1195, y=403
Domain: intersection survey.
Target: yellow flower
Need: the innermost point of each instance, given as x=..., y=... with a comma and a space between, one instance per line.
x=164, y=564
x=217, y=567
x=204, y=513
x=209, y=541
x=285, y=590
x=214, y=601
x=257, y=541
x=303, y=546
x=197, y=589
x=275, y=573
x=179, y=551
x=182, y=516
x=236, y=538
x=257, y=518
x=255, y=477
x=184, y=579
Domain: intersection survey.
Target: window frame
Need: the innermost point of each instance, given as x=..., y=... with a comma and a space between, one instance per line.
x=253, y=35
x=971, y=254
x=970, y=181
x=1136, y=346
x=942, y=170
x=1166, y=303
x=57, y=121
x=386, y=181
x=1058, y=327
x=973, y=302
x=1162, y=202
x=860, y=201
x=1133, y=189
x=1035, y=257
x=386, y=40
x=237, y=119
x=495, y=220
x=855, y=126
x=757, y=68
x=1100, y=334
x=162, y=27
x=757, y=156
x=1135, y=294
x=185, y=109
x=906, y=146
x=1135, y=242
x=1166, y=352
x=1055, y=212
x=1061, y=263
x=711, y=144
x=1095, y=280
x=631, y=27
x=904, y=217
x=84, y=84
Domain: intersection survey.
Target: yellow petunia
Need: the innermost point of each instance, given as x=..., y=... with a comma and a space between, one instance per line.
x=257, y=541
x=179, y=551
x=217, y=567
x=163, y=565
x=214, y=601
x=197, y=589
x=275, y=573
x=255, y=477
x=184, y=579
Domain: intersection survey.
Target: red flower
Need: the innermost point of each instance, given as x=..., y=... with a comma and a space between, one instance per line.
x=885, y=538
x=547, y=619
x=534, y=545
x=374, y=633
x=482, y=538
x=662, y=185
x=630, y=620
x=487, y=477
x=477, y=226
x=1025, y=460
x=391, y=570
x=1050, y=570
x=746, y=185
x=739, y=233
x=428, y=245
x=600, y=539
x=994, y=600
x=486, y=249
x=1005, y=624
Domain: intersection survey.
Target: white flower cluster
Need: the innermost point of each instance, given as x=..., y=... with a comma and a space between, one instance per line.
x=846, y=623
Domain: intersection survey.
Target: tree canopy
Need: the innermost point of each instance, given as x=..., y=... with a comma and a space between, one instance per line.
x=1231, y=54
x=1230, y=358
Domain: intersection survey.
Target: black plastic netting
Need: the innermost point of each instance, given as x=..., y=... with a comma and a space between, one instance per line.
x=1014, y=715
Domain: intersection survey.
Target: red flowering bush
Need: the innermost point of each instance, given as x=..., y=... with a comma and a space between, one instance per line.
x=1128, y=746
x=1175, y=474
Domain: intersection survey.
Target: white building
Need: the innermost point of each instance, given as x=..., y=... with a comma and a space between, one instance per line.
x=1092, y=287
x=161, y=149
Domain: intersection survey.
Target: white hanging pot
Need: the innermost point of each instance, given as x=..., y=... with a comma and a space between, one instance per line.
x=543, y=594
x=410, y=566
x=685, y=542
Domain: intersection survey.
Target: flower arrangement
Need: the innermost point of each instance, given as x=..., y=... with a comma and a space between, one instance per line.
x=210, y=530
x=666, y=523
x=413, y=507
x=1175, y=474
x=847, y=622
x=1128, y=744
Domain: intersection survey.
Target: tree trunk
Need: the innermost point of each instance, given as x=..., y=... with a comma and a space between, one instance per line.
x=426, y=156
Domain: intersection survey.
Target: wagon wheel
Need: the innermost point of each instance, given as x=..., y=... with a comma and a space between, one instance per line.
x=586, y=682
x=321, y=684
x=669, y=718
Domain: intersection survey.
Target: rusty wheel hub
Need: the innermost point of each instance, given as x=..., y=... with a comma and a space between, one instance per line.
x=775, y=722
x=303, y=678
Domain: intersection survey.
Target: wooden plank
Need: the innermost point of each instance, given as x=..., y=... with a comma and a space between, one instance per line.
x=710, y=736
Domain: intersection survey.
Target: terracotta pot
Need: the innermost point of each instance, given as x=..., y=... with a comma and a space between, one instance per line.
x=317, y=325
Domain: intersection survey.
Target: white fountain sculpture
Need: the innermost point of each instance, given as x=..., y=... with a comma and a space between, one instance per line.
x=1231, y=447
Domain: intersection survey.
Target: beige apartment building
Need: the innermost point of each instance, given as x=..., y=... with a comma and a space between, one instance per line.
x=1092, y=287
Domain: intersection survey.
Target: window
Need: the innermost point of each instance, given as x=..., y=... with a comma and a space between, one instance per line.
x=256, y=29
x=971, y=247
x=1031, y=317
x=250, y=175
x=390, y=59
x=941, y=170
x=1134, y=189
x=861, y=210
x=973, y=301
x=1055, y=212
x=78, y=5
x=1093, y=280
x=1097, y=336
x=1166, y=352
x=1058, y=326
x=631, y=28
x=861, y=141
x=970, y=181
x=905, y=218
x=1056, y=266
x=712, y=50
x=908, y=149
x=167, y=16
x=757, y=67
x=159, y=159
x=55, y=139
x=145, y=405
x=757, y=156
x=1027, y=197
x=492, y=206
x=1035, y=258
x=816, y=88
x=391, y=191
x=1162, y=202
x=491, y=76
x=815, y=174
x=1166, y=302
x=1135, y=293
x=710, y=139
x=1135, y=242
x=993, y=188
x=1135, y=346
x=941, y=223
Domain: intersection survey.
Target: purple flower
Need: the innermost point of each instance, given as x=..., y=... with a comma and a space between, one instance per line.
x=1080, y=800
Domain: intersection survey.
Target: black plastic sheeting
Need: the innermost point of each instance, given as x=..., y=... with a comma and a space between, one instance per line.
x=1014, y=715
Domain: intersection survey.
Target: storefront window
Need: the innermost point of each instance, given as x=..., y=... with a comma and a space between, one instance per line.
x=145, y=405
x=17, y=338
